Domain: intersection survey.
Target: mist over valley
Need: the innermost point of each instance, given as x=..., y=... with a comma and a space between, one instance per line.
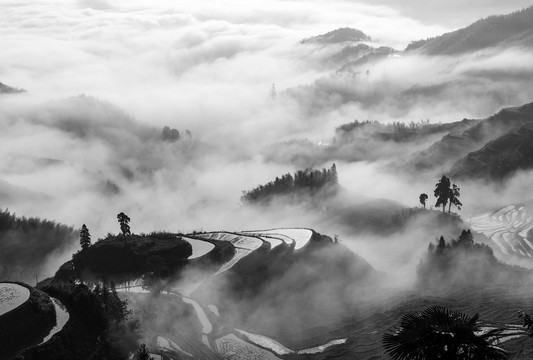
x=281, y=180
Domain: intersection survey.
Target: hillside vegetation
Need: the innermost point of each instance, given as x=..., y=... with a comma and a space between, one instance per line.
x=304, y=183
x=21, y=238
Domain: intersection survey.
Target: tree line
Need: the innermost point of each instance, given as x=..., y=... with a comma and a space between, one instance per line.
x=308, y=179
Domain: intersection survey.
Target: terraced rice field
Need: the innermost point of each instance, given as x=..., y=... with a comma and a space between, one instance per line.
x=274, y=242
x=239, y=241
x=12, y=296
x=300, y=237
x=239, y=254
x=166, y=344
x=62, y=317
x=322, y=348
x=244, y=246
x=232, y=347
x=280, y=349
x=266, y=342
x=507, y=228
x=199, y=247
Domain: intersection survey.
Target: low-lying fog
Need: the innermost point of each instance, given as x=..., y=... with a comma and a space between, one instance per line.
x=209, y=68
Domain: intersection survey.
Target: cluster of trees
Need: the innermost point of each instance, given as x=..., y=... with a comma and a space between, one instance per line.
x=446, y=194
x=307, y=180
x=459, y=263
x=23, y=237
x=173, y=135
x=443, y=253
x=465, y=241
x=397, y=127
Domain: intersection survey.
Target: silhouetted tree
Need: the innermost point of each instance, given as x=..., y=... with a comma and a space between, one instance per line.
x=85, y=237
x=441, y=245
x=124, y=221
x=438, y=333
x=442, y=192
x=423, y=198
x=142, y=353
x=454, y=197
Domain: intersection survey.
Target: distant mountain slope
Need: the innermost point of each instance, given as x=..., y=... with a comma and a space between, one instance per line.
x=337, y=36
x=498, y=158
x=455, y=145
x=5, y=89
x=503, y=30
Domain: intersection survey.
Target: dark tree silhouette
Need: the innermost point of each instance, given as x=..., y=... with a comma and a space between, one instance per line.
x=438, y=333
x=142, y=353
x=454, y=197
x=423, y=198
x=466, y=239
x=85, y=237
x=124, y=221
x=442, y=192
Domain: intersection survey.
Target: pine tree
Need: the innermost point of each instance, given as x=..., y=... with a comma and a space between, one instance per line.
x=466, y=238
x=334, y=176
x=85, y=237
x=124, y=221
x=142, y=353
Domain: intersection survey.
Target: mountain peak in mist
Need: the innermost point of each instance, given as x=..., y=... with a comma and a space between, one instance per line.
x=6, y=89
x=338, y=36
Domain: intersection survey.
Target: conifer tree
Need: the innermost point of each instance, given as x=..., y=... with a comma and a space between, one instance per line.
x=124, y=221
x=142, y=353
x=85, y=237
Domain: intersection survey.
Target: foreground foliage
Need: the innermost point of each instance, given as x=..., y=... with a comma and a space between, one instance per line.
x=439, y=333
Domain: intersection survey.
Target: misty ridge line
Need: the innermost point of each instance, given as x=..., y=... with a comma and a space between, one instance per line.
x=344, y=132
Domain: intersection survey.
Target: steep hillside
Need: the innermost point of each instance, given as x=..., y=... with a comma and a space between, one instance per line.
x=515, y=29
x=498, y=158
x=457, y=144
